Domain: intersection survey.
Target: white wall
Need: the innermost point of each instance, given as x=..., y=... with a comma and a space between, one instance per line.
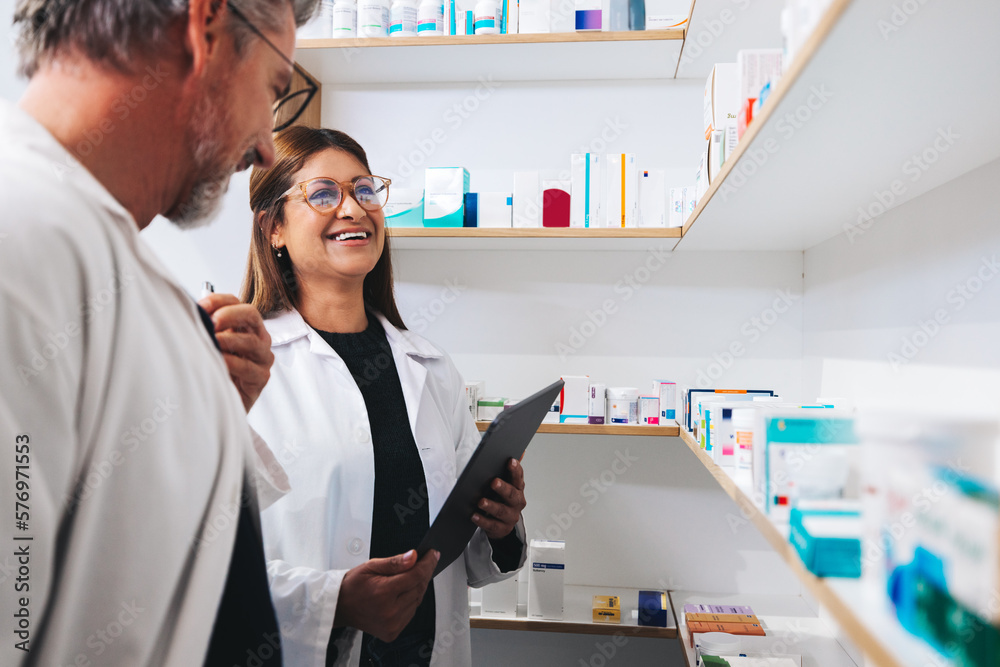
x=886, y=320
x=11, y=85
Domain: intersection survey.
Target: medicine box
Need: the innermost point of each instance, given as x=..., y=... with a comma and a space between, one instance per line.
x=490, y=408
x=607, y=609
x=828, y=542
x=667, y=391
x=807, y=457
x=653, y=198
x=473, y=392
x=755, y=67
x=621, y=191
x=527, y=200
x=677, y=214
x=556, y=203
x=444, y=196
x=500, y=599
x=547, y=559
x=405, y=208
x=574, y=400
x=585, y=202
x=692, y=397
x=552, y=416
x=653, y=609
x=488, y=210
x=721, y=101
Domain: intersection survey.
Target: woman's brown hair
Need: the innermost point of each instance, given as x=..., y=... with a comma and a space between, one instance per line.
x=270, y=284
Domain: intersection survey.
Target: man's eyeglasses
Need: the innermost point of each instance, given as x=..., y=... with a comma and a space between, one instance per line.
x=324, y=195
x=292, y=105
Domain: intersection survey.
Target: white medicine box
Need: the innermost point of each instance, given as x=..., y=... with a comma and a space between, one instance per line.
x=546, y=565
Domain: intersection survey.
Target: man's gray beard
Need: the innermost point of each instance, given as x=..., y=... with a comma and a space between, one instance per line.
x=205, y=197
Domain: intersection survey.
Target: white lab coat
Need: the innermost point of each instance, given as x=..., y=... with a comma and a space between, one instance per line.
x=136, y=437
x=313, y=414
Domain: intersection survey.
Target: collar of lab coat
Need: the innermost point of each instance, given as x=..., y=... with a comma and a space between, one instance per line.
x=289, y=326
x=28, y=135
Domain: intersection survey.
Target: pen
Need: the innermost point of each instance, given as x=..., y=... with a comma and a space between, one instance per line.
x=206, y=289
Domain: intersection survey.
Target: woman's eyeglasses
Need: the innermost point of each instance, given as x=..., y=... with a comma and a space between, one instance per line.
x=324, y=195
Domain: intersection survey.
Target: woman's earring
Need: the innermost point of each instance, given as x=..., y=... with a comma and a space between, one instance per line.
x=276, y=249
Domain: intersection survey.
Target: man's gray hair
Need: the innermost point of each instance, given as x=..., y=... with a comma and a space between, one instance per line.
x=113, y=32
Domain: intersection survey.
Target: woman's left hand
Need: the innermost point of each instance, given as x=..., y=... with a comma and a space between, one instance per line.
x=498, y=518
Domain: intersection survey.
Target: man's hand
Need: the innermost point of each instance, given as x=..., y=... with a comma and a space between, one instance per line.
x=245, y=344
x=498, y=518
x=380, y=596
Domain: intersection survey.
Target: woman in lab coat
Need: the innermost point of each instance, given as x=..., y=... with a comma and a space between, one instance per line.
x=369, y=420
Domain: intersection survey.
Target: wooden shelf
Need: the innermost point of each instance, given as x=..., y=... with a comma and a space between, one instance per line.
x=833, y=137
x=851, y=603
x=537, y=233
x=465, y=40
x=601, y=429
x=548, y=239
x=529, y=625
x=570, y=56
x=577, y=602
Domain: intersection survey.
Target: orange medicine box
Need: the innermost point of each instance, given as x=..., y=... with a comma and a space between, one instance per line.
x=729, y=628
x=607, y=609
x=722, y=618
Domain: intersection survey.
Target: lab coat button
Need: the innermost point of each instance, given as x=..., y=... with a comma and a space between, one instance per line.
x=363, y=435
x=355, y=545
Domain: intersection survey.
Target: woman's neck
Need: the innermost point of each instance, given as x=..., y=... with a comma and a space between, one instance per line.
x=333, y=308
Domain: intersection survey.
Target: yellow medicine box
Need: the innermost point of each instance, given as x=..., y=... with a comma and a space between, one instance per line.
x=607, y=609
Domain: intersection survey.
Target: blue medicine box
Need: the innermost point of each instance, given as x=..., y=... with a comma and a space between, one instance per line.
x=653, y=609
x=828, y=542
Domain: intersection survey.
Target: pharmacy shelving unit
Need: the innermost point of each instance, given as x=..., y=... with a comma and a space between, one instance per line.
x=869, y=102
x=865, y=148
x=577, y=617
x=602, y=429
x=860, y=610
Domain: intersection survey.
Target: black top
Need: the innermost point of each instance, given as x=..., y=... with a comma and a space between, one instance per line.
x=245, y=623
x=400, y=517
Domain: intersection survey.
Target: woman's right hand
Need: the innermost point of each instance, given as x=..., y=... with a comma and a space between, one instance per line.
x=380, y=596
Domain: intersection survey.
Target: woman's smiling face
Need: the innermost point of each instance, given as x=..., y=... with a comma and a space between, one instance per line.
x=343, y=245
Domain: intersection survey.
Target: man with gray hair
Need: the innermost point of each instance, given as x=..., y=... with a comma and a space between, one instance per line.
x=127, y=457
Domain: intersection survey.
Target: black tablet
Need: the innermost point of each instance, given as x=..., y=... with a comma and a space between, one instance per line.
x=506, y=438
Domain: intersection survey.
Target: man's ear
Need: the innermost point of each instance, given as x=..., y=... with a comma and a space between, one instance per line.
x=204, y=30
